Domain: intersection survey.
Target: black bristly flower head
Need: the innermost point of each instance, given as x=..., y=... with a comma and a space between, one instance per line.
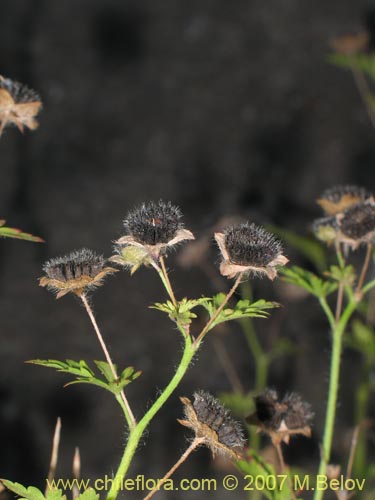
x=357, y=224
x=339, y=198
x=151, y=230
x=251, y=249
x=78, y=272
x=210, y=420
x=281, y=419
x=18, y=105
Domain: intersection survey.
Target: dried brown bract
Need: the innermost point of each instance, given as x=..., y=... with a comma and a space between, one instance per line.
x=281, y=419
x=350, y=44
x=19, y=105
x=357, y=225
x=208, y=418
x=339, y=198
x=78, y=272
x=247, y=248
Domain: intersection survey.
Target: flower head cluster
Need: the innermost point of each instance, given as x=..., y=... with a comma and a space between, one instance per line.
x=350, y=217
x=151, y=230
x=18, y=105
x=281, y=419
x=208, y=418
x=248, y=248
x=78, y=272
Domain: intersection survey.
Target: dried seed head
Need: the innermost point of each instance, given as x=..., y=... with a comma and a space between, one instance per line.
x=77, y=272
x=154, y=223
x=358, y=222
x=208, y=418
x=339, y=198
x=281, y=419
x=350, y=44
x=249, y=248
x=18, y=105
x=151, y=230
x=326, y=229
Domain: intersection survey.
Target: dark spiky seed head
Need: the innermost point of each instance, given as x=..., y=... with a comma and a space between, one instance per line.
x=78, y=263
x=19, y=92
x=251, y=245
x=213, y=414
x=339, y=198
x=154, y=223
x=336, y=193
x=358, y=221
x=295, y=412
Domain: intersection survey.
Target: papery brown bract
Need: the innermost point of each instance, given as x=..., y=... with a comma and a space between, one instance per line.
x=19, y=105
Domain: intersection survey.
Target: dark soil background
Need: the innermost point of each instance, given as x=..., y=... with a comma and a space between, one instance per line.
x=225, y=108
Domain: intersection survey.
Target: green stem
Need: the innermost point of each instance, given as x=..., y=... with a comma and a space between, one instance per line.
x=337, y=335
x=328, y=312
x=136, y=433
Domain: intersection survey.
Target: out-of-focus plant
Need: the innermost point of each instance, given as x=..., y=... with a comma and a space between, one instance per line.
x=352, y=52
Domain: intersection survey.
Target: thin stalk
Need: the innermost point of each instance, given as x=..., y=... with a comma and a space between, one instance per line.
x=339, y=302
x=167, y=281
x=136, y=433
x=228, y=366
x=54, y=454
x=127, y=410
x=259, y=356
x=328, y=312
x=358, y=290
x=283, y=467
x=337, y=335
x=181, y=460
x=200, y=337
x=363, y=89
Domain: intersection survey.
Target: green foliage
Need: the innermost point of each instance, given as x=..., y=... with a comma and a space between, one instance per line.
x=256, y=467
x=308, y=281
x=345, y=275
x=240, y=404
x=85, y=375
x=243, y=309
x=362, y=339
x=362, y=62
x=11, y=232
x=183, y=313
x=32, y=493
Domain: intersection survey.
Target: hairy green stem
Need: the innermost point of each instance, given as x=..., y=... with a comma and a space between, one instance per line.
x=136, y=433
x=337, y=335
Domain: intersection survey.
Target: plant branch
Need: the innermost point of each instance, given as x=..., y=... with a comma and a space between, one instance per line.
x=337, y=335
x=200, y=337
x=136, y=433
x=358, y=290
x=127, y=410
x=181, y=460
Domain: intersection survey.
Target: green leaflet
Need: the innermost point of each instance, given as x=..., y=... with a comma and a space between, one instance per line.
x=32, y=493
x=11, y=232
x=274, y=486
x=85, y=375
x=308, y=281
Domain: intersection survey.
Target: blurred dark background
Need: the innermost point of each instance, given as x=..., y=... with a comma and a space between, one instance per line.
x=224, y=108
